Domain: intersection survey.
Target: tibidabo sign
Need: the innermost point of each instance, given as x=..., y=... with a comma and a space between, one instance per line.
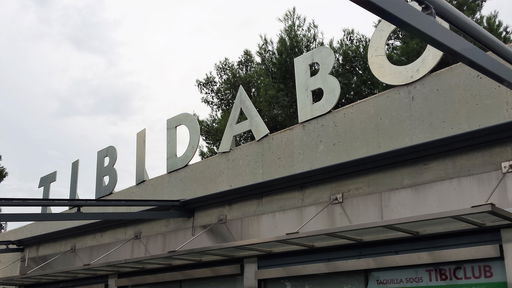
x=323, y=57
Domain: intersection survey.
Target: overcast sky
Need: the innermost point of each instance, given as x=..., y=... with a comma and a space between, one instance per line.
x=77, y=76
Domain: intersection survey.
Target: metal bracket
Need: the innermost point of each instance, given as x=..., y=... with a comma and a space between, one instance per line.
x=222, y=219
x=506, y=167
x=334, y=199
x=337, y=198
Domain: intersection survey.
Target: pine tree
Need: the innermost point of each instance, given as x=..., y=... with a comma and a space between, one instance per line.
x=268, y=74
x=3, y=171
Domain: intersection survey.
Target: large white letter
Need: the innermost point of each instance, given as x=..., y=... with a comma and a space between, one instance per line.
x=392, y=74
x=305, y=84
x=103, y=171
x=141, y=174
x=253, y=122
x=45, y=182
x=73, y=183
x=190, y=121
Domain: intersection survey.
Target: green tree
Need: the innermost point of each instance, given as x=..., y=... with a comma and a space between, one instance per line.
x=269, y=79
x=3, y=171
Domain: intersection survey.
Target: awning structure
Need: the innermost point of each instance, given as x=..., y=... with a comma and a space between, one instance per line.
x=485, y=216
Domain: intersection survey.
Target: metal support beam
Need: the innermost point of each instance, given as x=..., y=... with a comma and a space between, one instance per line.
x=403, y=15
x=113, y=250
x=49, y=261
x=82, y=216
x=194, y=237
x=10, y=242
x=31, y=202
x=10, y=250
x=470, y=28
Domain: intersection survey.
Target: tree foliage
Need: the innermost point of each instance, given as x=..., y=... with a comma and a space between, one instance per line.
x=3, y=172
x=268, y=76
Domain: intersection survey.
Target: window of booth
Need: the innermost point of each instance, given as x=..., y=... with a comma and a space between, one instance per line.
x=333, y=280
x=474, y=274
x=224, y=282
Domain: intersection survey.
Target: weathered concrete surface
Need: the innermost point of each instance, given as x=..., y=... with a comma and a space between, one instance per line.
x=448, y=102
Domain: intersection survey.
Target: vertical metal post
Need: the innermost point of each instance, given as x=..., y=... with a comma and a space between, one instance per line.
x=112, y=281
x=250, y=268
x=506, y=238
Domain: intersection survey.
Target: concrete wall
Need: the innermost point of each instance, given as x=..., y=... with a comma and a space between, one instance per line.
x=448, y=102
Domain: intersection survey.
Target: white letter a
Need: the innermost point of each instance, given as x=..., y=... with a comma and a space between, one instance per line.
x=253, y=122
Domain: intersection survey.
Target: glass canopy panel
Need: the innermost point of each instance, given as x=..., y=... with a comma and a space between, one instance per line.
x=175, y=262
x=486, y=218
x=238, y=252
x=276, y=247
x=373, y=234
x=106, y=270
x=157, y=263
x=436, y=225
x=168, y=261
x=138, y=266
x=322, y=240
x=49, y=277
x=198, y=257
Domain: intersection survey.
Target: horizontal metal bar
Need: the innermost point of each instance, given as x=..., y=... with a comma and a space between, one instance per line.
x=9, y=242
x=10, y=250
x=30, y=202
x=403, y=15
x=82, y=216
x=469, y=27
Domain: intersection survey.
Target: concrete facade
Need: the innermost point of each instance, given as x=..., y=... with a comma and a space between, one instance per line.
x=449, y=102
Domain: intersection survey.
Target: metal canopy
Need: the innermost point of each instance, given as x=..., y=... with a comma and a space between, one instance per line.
x=471, y=219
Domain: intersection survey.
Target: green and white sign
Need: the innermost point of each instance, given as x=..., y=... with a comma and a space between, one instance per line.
x=488, y=274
